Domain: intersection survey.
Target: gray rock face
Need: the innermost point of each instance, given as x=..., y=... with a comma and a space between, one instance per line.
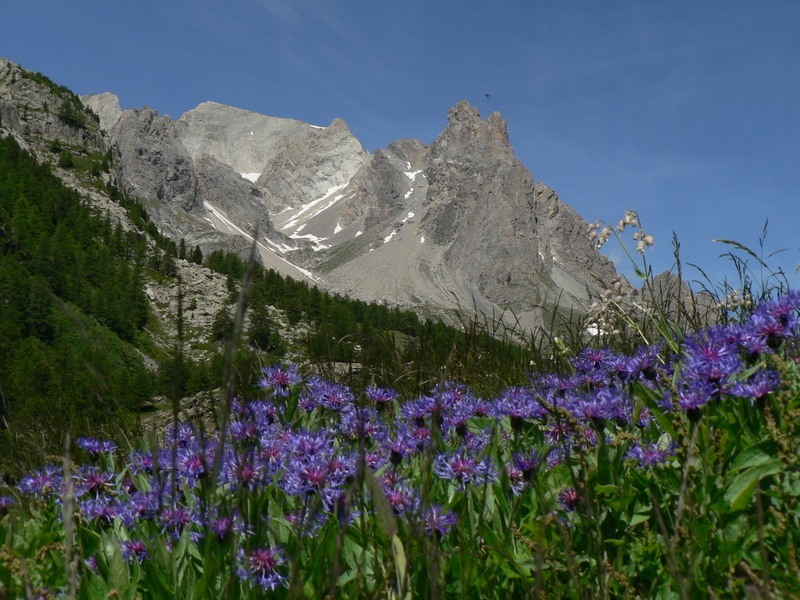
x=239, y=138
x=106, y=106
x=377, y=192
x=461, y=224
x=673, y=299
x=517, y=241
x=224, y=189
x=458, y=224
x=200, y=199
x=152, y=161
x=306, y=168
x=37, y=111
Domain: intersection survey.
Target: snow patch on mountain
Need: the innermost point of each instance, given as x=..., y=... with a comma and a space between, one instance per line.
x=315, y=207
x=252, y=177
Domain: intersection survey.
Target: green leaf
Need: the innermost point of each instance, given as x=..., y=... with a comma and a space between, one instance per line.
x=741, y=488
x=383, y=508
x=638, y=518
x=750, y=457
x=401, y=569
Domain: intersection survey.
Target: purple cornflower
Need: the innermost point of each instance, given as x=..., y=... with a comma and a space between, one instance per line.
x=181, y=435
x=310, y=396
x=644, y=362
x=261, y=567
x=380, y=396
x=527, y=463
x=91, y=564
x=5, y=502
x=91, y=480
x=134, y=550
x=777, y=320
x=752, y=340
x=141, y=462
x=272, y=455
x=264, y=413
x=652, y=455
x=362, y=423
x=605, y=404
x=758, y=386
x=419, y=409
x=243, y=472
x=519, y=404
x=711, y=355
x=400, y=445
x=421, y=436
x=569, y=499
x=307, y=476
x=99, y=511
x=94, y=446
x=190, y=463
x=140, y=506
x=336, y=396
x=464, y=470
x=44, y=482
x=694, y=394
x=591, y=359
x=557, y=433
x=438, y=522
x=522, y=470
x=175, y=519
x=401, y=498
x=245, y=432
x=280, y=379
x=307, y=521
x=224, y=527
x=310, y=443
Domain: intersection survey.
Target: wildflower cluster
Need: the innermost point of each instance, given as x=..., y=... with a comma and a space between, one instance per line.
x=599, y=233
x=301, y=448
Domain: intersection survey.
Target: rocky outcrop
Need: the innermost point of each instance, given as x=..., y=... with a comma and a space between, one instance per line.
x=106, y=107
x=239, y=138
x=306, y=168
x=38, y=112
x=671, y=298
x=377, y=191
x=152, y=162
x=516, y=241
x=457, y=225
x=221, y=187
x=195, y=197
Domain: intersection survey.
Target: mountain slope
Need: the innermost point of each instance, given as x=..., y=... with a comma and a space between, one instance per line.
x=455, y=225
x=451, y=226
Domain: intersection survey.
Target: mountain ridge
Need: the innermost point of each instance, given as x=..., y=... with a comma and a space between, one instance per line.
x=496, y=240
x=441, y=228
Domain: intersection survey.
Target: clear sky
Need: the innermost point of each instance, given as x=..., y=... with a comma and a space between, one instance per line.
x=685, y=111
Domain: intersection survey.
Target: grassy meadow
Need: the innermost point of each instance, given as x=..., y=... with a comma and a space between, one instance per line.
x=655, y=460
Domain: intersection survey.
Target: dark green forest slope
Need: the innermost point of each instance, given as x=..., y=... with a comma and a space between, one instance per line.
x=71, y=304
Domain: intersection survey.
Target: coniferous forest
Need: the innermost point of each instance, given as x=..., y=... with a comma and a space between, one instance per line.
x=71, y=304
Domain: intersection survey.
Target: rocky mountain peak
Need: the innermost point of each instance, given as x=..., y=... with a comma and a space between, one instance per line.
x=106, y=106
x=467, y=130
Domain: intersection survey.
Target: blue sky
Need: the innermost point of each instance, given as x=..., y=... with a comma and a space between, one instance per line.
x=684, y=111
